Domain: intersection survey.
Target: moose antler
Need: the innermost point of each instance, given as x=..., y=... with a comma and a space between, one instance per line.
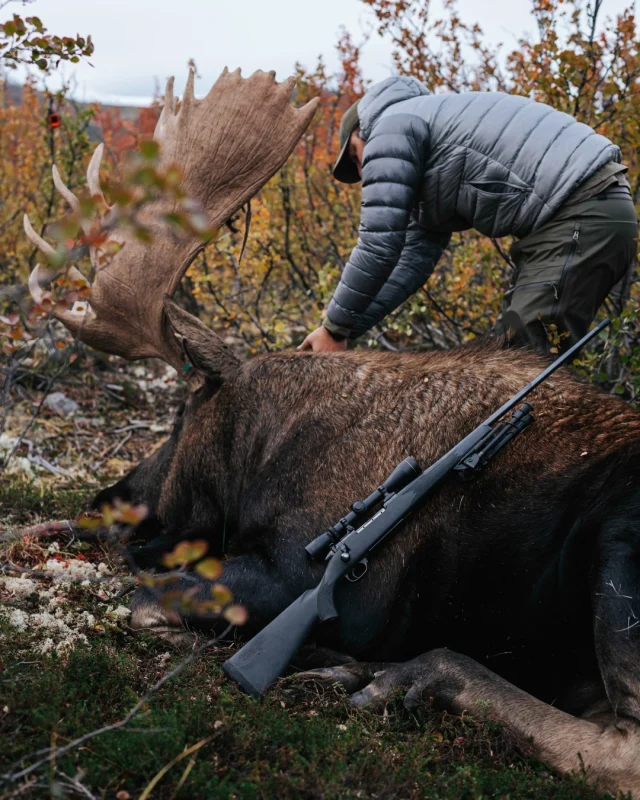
x=227, y=146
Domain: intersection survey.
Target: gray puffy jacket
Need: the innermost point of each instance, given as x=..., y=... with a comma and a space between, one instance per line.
x=434, y=164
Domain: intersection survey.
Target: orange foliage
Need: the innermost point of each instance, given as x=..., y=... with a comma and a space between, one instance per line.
x=304, y=223
x=122, y=135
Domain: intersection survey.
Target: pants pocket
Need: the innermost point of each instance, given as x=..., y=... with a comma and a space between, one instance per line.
x=573, y=252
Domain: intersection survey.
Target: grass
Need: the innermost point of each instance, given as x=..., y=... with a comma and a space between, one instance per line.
x=302, y=741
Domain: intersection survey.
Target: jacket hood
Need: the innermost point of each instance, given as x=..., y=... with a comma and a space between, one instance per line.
x=384, y=94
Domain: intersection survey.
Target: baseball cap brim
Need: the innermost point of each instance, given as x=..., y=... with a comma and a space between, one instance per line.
x=345, y=169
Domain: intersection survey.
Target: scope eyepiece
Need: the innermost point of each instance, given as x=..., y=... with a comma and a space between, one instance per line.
x=319, y=547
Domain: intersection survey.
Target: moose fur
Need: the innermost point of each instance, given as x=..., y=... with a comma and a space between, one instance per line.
x=520, y=588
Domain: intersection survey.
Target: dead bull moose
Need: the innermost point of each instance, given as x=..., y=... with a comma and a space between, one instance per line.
x=521, y=588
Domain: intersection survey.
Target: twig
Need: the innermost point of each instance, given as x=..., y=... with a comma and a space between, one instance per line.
x=45, y=753
x=504, y=254
x=129, y=580
x=43, y=529
x=160, y=775
x=112, y=453
x=62, y=578
x=384, y=342
x=74, y=783
x=134, y=426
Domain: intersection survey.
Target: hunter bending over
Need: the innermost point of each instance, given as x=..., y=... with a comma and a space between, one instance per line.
x=502, y=164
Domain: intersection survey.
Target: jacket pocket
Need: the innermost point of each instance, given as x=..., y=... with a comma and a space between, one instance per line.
x=498, y=188
x=491, y=213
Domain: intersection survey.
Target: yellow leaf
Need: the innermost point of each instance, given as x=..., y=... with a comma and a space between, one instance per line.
x=209, y=568
x=236, y=614
x=221, y=595
x=89, y=522
x=185, y=553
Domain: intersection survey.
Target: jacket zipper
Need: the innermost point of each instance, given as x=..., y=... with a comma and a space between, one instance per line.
x=567, y=266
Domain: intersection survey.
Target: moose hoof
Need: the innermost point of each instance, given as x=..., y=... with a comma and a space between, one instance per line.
x=436, y=675
x=147, y=615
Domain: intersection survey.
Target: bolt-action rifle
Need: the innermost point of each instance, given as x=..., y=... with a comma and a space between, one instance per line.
x=347, y=545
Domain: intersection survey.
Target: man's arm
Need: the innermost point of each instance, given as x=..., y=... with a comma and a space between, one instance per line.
x=391, y=174
x=420, y=254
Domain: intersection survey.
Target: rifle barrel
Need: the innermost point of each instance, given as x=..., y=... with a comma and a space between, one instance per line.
x=563, y=359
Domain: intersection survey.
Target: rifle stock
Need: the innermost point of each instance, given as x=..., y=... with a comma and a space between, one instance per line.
x=270, y=652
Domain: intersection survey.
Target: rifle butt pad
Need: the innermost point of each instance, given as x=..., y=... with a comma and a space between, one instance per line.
x=266, y=657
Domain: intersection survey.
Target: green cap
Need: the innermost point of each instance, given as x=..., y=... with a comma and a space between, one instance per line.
x=345, y=169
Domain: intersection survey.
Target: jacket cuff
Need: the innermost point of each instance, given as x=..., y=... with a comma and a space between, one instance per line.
x=339, y=332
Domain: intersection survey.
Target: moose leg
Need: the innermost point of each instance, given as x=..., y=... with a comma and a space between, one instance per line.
x=616, y=613
x=607, y=749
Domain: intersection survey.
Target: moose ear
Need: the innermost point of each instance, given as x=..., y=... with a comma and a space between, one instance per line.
x=204, y=350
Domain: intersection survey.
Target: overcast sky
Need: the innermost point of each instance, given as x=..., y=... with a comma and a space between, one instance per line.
x=140, y=42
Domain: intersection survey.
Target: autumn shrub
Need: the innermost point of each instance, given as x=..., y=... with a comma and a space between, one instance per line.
x=265, y=291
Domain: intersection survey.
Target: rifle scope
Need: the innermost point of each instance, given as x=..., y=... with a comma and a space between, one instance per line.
x=403, y=474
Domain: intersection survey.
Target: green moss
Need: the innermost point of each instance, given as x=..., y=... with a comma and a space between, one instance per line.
x=297, y=743
x=23, y=502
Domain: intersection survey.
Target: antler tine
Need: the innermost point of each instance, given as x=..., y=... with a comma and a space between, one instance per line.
x=75, y=275
x=36, y=239
x=168, y=109
x=79, y=315
x=34, y=285
x=93, y=173
x=68, y=195
x=168, y=92
x=189, y=95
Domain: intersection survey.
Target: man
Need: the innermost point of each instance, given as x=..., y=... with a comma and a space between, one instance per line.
x=499, y=163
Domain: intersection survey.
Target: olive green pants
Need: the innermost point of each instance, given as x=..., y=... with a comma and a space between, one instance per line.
x=565, y=270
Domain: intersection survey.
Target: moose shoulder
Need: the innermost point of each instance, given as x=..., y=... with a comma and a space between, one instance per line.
x=520, y=588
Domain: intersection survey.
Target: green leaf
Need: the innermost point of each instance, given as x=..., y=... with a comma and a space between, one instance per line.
x=149, y=149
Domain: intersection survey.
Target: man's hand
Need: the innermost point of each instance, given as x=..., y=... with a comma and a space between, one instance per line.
x=321, y=341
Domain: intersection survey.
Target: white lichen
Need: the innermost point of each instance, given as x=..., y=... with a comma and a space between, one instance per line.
x=50, y=616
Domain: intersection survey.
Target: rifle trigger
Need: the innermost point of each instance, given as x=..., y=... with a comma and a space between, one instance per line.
x=358, y=571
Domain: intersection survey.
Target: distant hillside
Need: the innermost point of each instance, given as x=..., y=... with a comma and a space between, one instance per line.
x=126, y=113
